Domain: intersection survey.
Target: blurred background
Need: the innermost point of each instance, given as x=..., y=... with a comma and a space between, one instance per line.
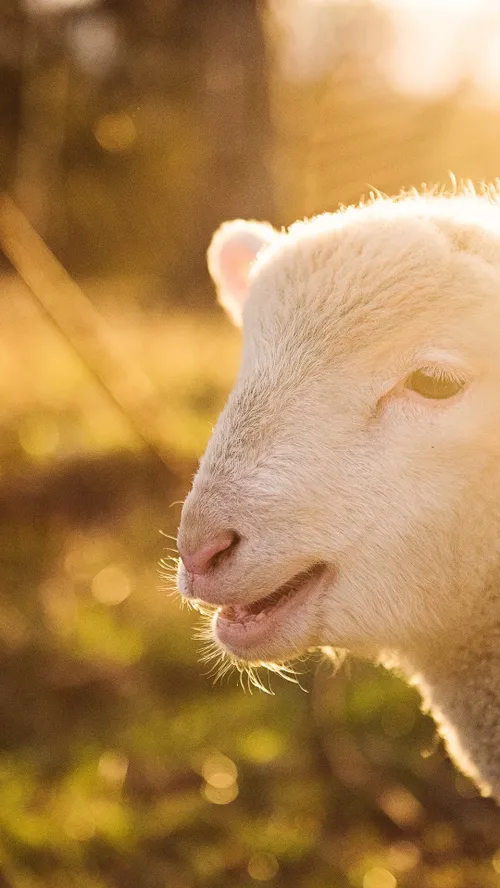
x=129, y=129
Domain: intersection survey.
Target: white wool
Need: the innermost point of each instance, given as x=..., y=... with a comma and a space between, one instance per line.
x=321, y=455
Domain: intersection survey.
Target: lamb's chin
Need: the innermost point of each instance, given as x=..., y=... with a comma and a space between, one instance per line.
x=279, y=626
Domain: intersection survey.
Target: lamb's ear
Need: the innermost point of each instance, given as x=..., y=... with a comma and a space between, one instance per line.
x=230, y=256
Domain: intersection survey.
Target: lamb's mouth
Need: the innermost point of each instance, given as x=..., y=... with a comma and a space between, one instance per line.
x=242, y=626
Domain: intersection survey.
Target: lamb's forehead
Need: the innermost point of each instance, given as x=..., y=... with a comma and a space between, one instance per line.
x=387, y=269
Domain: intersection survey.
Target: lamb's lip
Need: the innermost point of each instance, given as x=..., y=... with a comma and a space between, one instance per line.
x=249, y=625
x=256, y=609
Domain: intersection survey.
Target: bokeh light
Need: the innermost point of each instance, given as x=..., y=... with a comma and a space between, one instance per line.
x=263, y=867
x=378, y=877
x=115, y=132
x=111, y=585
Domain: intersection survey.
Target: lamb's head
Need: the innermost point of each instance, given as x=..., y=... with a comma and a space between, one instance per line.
x=349, y=494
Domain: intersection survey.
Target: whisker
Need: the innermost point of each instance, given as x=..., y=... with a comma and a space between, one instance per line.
x=250, y=675
x=169, y=560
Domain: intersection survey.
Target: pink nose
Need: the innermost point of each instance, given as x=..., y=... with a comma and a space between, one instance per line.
x=201, y=561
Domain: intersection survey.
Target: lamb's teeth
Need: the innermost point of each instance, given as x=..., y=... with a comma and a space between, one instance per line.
x=260, y=616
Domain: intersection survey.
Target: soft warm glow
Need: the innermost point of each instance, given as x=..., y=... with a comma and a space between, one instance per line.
x=115, y=132
x=377, y=877
x=113, y=767
x=400, y=805
x=430, y=47
x=94, y=42
x=263, y=867
x=219, y=771
x=403, y=856
x=42, y=6
x=111, y=585
x=39, y=436
x=220, y=796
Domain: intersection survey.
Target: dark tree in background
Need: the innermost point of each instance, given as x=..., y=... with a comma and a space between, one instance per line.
x=120, y=123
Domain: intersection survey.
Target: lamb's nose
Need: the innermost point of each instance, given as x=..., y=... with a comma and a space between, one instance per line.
x=202, y=560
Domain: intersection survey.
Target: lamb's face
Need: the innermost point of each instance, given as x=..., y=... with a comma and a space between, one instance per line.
x=345, y=497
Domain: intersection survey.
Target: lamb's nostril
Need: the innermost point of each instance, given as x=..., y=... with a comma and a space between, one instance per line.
x=200, y=561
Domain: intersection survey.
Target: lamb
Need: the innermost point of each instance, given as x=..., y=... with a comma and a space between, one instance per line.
x=350, y=494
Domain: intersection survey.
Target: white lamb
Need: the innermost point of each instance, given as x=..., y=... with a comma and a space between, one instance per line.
x=350, y=494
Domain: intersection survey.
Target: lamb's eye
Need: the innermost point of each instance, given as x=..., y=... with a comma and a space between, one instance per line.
x=436, y=385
